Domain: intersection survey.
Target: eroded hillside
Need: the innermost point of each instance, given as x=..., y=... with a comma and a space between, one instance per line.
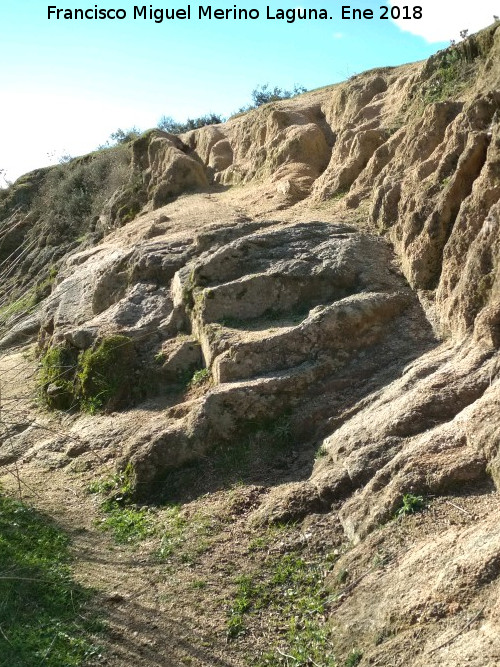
x=304, y=300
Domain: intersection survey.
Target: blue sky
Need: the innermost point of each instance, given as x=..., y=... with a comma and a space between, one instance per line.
x=67, y=84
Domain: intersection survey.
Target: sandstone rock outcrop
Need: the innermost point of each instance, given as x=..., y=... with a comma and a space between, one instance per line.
x=342, y=305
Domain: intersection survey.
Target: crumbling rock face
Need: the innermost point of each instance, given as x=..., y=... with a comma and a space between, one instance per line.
x=422, y=162
x=419, y=600
x=289, y=147
x=295, y=304
x=276, y=313
x=352, y=153
x=417, y=435
x=240, y=300
x=420, y=209
x=170, y=168
x=162, y=168
x=471, y=257
x=112, y=290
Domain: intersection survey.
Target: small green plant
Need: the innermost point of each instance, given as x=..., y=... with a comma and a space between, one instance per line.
x=342, y=576
x=92, y=404
x=235, y=626
x=258, y=544
x=354, y=658
x=118, y=487
x=200, y=377
x=160, y=358
x=322, y=452
x=282, y=430
x=248, y=595
x=411, y=505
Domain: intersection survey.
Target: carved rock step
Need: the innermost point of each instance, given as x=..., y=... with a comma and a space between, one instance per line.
x=352, y=323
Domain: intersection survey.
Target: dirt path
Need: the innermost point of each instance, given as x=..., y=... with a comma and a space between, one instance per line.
x=171, y=611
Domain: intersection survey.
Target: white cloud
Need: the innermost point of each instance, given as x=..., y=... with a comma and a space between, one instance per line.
x=443, y=20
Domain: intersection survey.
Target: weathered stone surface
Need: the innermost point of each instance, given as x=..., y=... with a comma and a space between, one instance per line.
x=422, y=597
x=238, y=301
x=179, y=357
x=169, y=167
x=365, y=212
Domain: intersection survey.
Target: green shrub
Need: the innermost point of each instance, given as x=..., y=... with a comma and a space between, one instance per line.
x=168, y=124
x=124, y=136
x=73, y=194
x=264, y=94
x=450, y=76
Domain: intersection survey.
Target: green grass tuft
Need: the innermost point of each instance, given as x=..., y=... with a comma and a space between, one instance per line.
x=41, y=617
x=128, y=524
x=354, y=658
x=292, y=592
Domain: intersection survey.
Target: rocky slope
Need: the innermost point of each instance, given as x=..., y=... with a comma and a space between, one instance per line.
x=333, y=283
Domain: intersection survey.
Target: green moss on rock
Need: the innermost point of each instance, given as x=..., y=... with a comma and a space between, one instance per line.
x=96, y=379
x=104, y=374
x=57, y=374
